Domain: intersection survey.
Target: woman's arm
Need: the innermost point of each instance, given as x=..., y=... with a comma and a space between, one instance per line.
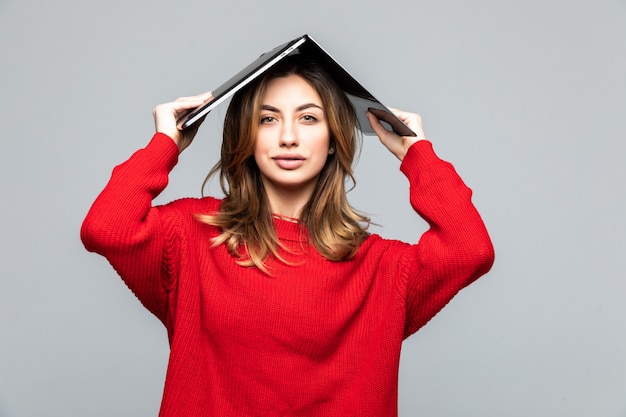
x=123, y=226
x=456, y=249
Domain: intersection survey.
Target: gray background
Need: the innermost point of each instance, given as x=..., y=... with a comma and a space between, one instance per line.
x=526, y=98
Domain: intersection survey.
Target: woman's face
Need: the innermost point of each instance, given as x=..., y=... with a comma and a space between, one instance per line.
x=293, y=138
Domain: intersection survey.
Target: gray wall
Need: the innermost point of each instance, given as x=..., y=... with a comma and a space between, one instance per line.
x=526, y=98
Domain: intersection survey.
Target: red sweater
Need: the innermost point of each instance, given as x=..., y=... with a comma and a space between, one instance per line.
x=321, y=338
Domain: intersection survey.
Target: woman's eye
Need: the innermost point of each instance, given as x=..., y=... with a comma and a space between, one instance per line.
x=267, y=119
x=309, y=118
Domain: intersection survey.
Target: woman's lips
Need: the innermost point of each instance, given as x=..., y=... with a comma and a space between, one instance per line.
x=289, y=161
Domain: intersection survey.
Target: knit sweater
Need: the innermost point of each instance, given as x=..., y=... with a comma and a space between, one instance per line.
x=314, y=338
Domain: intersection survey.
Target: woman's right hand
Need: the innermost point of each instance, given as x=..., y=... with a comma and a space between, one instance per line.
x=167, y=115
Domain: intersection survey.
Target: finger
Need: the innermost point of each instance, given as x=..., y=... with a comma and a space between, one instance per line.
x=406, y=117
x=186, y=103
x=198, y=97
x=412, y=120
x=378, y=128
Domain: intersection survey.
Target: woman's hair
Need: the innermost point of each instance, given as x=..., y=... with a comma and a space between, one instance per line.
x=332, y=226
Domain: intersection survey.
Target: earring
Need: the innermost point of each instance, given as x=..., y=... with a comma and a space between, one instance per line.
x=331, y=151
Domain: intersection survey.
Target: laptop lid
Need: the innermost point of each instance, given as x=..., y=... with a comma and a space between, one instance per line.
x=361, y=99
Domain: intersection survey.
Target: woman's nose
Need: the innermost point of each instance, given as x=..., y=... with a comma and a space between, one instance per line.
x=288, y=135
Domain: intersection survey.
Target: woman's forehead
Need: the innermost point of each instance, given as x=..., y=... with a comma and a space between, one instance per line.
x=292, y=89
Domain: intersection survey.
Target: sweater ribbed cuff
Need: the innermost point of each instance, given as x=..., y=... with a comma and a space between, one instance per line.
x=419, y=156
x=163, y=149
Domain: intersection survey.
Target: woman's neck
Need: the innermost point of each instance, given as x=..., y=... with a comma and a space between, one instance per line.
x=288, y=204
x=286, y=209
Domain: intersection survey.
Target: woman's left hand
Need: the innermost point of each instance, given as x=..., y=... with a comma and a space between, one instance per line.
x=398, y=145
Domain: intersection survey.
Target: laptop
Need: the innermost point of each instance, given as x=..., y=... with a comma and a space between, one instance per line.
x=361, y=99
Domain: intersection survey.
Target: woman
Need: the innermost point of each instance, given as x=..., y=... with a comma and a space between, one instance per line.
x=276, y=300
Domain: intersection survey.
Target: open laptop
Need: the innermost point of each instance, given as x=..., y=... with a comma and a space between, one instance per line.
x=361, y=99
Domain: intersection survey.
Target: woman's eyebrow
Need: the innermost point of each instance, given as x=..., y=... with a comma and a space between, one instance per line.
x=267, y=107
x=308, y=106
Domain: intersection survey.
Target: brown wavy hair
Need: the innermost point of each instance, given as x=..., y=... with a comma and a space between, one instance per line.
x=329, y=223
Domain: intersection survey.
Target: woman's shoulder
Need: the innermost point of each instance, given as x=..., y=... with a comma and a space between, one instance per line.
x=375, y=243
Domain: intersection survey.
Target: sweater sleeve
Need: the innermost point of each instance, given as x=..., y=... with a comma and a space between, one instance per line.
x=123, y=226
x=454, y=251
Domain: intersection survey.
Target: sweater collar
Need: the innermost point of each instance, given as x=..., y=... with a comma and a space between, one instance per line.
x=287, y=229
